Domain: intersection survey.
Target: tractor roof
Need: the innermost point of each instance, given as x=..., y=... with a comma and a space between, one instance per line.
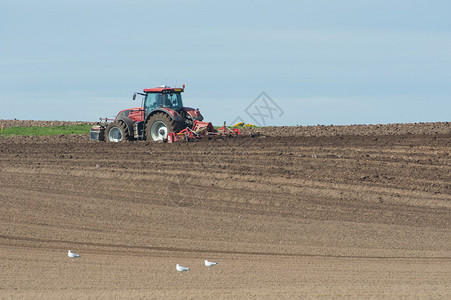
x=163, y=89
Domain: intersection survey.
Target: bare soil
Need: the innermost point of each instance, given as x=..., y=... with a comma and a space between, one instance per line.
x=322, y=212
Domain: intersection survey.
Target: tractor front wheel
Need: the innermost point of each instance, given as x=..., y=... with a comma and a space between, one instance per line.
x=159, y=126
x=116, y=132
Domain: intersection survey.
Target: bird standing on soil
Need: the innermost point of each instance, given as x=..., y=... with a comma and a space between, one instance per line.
x=210, y=263
x=72, y=255
x=181, y=269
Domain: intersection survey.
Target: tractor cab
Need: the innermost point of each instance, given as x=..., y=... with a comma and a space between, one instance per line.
x=168, y=100
x=163, y=98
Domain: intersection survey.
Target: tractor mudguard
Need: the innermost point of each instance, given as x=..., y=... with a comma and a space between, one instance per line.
x=170, y=112
x=193, y=113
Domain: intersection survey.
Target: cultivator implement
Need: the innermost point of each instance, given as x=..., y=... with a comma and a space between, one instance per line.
x=202, y=130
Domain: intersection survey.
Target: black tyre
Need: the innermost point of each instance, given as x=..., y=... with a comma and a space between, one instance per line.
x=117, y=132
x=159, y=126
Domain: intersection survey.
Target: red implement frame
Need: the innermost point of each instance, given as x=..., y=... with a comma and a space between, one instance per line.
x=200, y=130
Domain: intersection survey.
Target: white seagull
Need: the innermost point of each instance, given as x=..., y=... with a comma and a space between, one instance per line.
x=181, y=269
x=210, y=263
x=72, y=255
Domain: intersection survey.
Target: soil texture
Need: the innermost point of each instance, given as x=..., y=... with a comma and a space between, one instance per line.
x=348, y=212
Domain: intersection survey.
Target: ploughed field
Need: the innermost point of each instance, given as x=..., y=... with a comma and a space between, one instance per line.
x=302, y=212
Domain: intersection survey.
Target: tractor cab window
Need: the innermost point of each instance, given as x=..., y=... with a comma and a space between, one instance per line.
x=153, y=100
x=170, y=100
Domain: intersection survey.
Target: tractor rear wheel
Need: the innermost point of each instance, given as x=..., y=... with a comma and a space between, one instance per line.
x=117, y=132
x=159, y=126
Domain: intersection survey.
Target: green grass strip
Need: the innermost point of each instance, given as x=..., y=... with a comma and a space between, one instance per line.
x=55, y=130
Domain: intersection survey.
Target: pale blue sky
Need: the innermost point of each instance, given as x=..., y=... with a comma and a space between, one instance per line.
x=321, y=62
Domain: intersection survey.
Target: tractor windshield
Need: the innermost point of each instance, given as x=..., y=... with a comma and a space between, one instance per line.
x=170, y=100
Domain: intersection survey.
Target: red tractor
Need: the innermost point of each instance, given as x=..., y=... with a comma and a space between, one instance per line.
x=161, y=113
